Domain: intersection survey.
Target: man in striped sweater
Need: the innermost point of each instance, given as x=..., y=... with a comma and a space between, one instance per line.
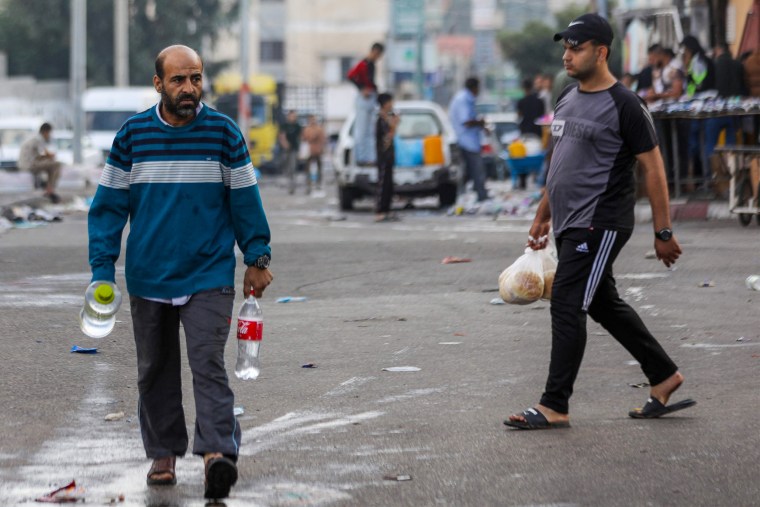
x=181, y=174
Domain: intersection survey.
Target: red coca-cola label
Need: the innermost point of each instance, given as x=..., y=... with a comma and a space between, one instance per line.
x=250, y=330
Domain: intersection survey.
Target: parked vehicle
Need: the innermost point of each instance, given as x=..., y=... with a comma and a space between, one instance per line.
x=13, y=132
x=263, y=105
x=503, y=128
x=62, y=144
x=107, y=108
x=412, y=177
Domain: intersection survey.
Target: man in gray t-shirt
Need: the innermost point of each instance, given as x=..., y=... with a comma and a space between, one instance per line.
x=599, y=132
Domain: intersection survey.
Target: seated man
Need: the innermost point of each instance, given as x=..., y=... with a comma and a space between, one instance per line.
x=35, y=158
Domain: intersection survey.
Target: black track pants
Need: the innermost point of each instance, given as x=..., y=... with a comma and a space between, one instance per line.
x=584, y=285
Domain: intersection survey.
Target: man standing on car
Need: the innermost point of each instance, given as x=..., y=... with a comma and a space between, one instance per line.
x=468, y=129
x=181, y=175
x=600, y=130
x=363, y=76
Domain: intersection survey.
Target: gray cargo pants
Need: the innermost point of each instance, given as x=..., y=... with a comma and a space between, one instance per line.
x=206, y=320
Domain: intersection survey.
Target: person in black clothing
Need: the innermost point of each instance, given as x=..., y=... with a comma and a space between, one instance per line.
x=645, y=79
x=290, y=140
x=600, y=131
x=387, y=121
x=530, y=108
x=729, y=81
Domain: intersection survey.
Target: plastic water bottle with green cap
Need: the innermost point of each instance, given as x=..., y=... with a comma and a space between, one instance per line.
x=98, y=315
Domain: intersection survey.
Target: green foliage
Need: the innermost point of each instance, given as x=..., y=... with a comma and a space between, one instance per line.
x=35, y=35
x=534, y=51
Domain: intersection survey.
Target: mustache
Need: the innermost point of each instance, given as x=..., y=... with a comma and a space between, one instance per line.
x=186, y=96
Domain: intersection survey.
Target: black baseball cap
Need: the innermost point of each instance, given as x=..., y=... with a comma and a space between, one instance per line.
x=585, y=28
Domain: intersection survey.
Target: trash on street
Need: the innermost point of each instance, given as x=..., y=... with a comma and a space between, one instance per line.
x=115, y=416
x=402, y=368
x=399, y=478
x=292, y=299
x=455, y=260
x=84, y=350
x=309, y=365
x=66, y=494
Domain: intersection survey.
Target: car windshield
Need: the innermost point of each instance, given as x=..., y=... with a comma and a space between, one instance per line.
x=107, y=120
x=417, y=124
x=14, y=137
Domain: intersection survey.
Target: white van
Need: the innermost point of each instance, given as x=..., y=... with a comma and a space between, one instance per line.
x=107, y=108
x=13, y=132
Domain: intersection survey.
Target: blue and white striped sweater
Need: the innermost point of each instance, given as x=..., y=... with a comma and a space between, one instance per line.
x=189, y=193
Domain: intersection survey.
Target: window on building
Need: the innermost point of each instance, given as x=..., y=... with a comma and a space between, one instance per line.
x=272, y=51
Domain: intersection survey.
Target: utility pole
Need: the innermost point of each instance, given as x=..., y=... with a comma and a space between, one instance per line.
x=121, y=42
x=78, y=71
x=243, y=97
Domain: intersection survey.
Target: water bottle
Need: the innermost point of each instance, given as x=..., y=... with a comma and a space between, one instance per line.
x=753, y=282
x=250, y=327
x=98, y=315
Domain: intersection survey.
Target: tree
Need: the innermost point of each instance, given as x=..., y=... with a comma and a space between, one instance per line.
x=534, y=51
x=35, y=35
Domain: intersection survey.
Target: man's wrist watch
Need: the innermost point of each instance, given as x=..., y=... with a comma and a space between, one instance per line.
x=262, y=262
x=664, y=234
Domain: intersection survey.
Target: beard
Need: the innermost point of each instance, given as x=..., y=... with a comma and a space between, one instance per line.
x=176, y=108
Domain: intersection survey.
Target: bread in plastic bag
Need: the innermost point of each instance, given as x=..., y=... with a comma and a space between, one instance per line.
x=522, y=283
x=549, y=265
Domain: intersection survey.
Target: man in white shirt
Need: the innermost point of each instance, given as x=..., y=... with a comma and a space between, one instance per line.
x=36, y=158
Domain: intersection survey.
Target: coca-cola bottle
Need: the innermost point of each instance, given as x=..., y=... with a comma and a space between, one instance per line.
x=250, y=327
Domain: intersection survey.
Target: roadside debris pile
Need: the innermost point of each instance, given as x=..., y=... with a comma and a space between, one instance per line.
x=504, y=201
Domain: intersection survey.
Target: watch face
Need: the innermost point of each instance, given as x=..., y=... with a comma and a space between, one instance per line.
x=665, y=234
x=262, y=262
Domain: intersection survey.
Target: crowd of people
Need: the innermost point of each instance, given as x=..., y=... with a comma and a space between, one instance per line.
x=689, y=74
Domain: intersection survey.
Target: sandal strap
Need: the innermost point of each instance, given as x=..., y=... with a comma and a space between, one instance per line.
x=164, y=465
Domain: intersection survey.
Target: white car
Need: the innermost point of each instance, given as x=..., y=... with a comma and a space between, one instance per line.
x=419, y=120
x=13, y=132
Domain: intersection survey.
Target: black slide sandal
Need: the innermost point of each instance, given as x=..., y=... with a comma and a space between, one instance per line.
x=654, y=409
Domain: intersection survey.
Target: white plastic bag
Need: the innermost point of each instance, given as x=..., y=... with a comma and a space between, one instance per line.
x=549, y=265
x=522, y=283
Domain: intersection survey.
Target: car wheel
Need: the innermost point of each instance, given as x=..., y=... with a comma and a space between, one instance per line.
x=346, y=196
x=447, y=195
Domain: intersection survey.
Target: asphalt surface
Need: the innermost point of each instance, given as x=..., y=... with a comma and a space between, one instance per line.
x=379, y=297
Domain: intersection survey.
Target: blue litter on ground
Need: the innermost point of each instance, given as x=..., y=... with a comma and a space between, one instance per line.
x=83, y=350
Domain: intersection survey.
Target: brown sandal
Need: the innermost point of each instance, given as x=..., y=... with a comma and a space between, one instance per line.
x=162, y=466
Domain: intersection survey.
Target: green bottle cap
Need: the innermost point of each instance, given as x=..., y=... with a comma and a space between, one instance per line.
x=104, y=294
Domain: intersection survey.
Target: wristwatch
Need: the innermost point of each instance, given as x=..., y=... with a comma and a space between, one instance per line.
x=664, y=234
x=262, y=262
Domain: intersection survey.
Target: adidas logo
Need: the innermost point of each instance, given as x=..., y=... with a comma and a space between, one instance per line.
x=583, y=248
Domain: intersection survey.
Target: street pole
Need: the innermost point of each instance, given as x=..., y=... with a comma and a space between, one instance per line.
x=243, y=97
x=121, y=42
x=78, y=71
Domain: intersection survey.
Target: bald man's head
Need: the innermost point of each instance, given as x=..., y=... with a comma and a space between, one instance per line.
x=175, y=49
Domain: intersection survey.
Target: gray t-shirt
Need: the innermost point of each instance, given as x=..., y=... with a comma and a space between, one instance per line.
x=595, y=139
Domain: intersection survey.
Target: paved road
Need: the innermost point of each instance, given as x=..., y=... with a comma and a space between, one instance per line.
x=379, y=297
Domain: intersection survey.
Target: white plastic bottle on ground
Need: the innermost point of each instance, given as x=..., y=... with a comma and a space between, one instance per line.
x=753, y=282
x=101, y=302
x=250, y=327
